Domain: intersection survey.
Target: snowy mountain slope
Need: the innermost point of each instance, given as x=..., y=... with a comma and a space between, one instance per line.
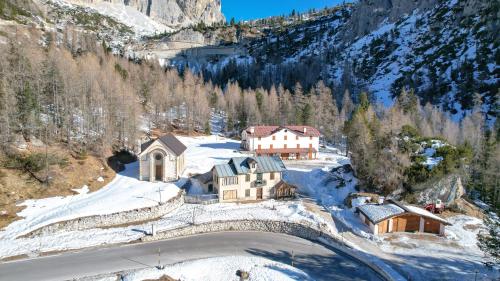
x=445, y=50
x=157, y=15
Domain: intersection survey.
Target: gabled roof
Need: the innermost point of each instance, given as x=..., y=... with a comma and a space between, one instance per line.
x=170, y=141
x=264, y=131
x=225, y=170
x=240, y=166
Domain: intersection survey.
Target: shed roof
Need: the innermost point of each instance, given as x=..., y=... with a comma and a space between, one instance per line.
x=377, y=213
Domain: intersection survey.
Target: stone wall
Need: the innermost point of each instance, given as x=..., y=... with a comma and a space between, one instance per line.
x=303, y=230
x=109, y=220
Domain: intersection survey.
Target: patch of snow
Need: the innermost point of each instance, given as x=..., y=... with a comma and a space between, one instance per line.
x=124, y=192
x=359, y=201
x=223, y=268
x=204, y=152
x=100, y=179
x=83, y=190
x=182, y=217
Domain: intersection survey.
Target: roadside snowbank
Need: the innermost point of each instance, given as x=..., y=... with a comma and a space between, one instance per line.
x=223, y=268
x=184, y=216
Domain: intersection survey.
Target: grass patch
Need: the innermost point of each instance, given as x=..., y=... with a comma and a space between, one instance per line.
x=66, y=173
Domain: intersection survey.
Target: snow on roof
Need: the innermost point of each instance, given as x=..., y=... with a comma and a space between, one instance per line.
x=376, y=213
x=424, y=213
x=264, y=131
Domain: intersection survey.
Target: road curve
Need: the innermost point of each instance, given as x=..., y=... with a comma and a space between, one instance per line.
x=319, y=262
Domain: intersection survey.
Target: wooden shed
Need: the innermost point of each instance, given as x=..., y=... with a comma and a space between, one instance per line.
x=283, y=190
x=393, y=216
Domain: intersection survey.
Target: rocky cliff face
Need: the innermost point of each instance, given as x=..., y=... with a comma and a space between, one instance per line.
x=370, y=13
x=173, y=13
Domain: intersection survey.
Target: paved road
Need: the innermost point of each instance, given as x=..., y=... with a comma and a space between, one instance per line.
x=319, y=262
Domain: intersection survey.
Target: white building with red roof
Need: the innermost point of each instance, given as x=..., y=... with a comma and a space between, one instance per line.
x=287, y=142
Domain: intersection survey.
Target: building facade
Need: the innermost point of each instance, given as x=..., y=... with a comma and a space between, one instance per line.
x=246, y=178
x=287, y=142
x=161, y=159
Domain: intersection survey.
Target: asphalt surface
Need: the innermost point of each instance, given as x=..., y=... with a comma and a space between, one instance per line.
x=319, y=262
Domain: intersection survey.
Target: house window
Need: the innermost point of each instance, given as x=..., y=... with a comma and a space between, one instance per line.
x=253, y=165
x=298, y=145
x=272, y=176
x=259, y=138
x=259, y=176
x=310, y=145
x=310, y=137
x=230, y=181
x=285, y=146
x=274, y=137
x=271, y=147
x=286, y=137
x=210, y=188
x=296, y=137
x=247, y=192
x=247, y=177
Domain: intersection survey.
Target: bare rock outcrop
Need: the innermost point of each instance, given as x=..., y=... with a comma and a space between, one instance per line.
x=173, y=13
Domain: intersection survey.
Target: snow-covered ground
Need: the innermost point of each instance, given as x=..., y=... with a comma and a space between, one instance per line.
x=221, y=268
x=182, y=217
x=204, y=152
x=326, y=180
x=454, y=257
x=124, y=192
x=418, y=256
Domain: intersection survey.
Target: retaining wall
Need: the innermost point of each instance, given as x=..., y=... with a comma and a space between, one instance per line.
x=109, y=220
x=303, y=230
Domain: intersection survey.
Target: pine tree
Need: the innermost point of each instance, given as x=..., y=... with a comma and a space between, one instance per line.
x=490, y=242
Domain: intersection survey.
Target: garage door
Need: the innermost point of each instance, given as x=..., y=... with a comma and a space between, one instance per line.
x=408, y=223
x=431, y=226
x=230, y=194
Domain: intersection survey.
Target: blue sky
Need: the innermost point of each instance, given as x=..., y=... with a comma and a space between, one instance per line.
x=253, y=9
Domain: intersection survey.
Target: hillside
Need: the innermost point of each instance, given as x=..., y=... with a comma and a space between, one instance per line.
x=445, y=50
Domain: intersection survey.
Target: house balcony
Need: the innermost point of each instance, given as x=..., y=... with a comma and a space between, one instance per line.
x=259, y=183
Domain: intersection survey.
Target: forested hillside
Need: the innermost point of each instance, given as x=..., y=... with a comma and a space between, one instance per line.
x=446, y=51
x=65, y=86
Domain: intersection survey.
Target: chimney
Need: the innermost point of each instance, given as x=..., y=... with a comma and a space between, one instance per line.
x=305, y=130
x=381, y=200
x=252, y=130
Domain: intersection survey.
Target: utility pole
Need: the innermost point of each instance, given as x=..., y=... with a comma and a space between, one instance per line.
x=194, y=215
x=159, y=193
x=160, y=266
x=46, y=159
